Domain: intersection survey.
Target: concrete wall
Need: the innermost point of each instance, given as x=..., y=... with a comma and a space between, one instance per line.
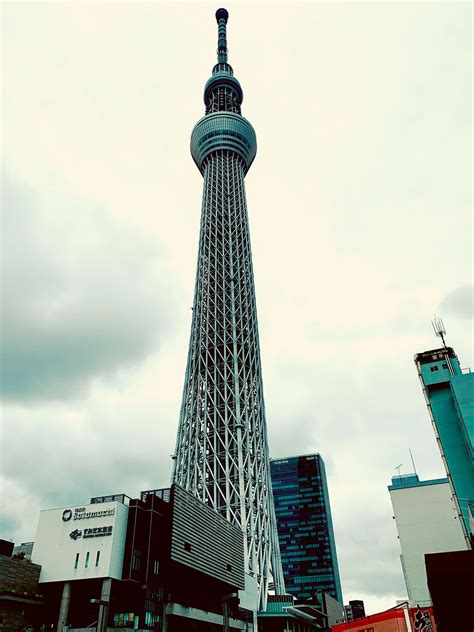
x=427, y=522
x=80, y=533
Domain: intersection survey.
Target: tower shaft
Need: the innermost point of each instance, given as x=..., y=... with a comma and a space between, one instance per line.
x=222, y=448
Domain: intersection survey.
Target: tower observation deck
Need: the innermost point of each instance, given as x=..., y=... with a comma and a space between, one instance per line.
x=222, y=449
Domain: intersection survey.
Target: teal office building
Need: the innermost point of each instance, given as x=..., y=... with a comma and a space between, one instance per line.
x=449, y=394
x=305, y=530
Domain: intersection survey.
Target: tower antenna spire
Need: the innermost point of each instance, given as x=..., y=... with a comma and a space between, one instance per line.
x=439, y=328
x=222, y=15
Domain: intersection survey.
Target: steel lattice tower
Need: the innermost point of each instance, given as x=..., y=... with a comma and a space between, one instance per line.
x=222, y=449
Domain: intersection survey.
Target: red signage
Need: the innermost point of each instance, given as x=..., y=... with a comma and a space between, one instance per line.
x=422, y=619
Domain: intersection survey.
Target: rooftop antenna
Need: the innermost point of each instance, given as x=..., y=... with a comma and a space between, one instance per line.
x=413, y=462
x=398, y=468
x=439, y=328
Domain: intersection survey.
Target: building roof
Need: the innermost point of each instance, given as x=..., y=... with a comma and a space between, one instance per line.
x=411, y=480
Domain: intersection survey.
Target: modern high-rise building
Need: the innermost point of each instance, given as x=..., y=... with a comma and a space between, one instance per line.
x=449, y=394
x=305, y=531
x=222, y=449
x=427, y=522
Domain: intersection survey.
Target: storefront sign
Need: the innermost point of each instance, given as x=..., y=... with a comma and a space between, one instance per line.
x=98, y=532
x=422, y=619
x=81, y=514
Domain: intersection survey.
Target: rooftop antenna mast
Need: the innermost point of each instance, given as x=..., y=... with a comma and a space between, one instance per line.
x=439, y=328
x=413, y=462
x=398, y=468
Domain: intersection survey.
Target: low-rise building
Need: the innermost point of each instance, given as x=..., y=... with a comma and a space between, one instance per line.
x=398, y=619
x=23, y=550
x=354, y=610
x=21, y=600
x=284, y=614
x=161, y=561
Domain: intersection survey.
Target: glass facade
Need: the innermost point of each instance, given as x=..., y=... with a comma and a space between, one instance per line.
x=305, y=531
x=449, y=394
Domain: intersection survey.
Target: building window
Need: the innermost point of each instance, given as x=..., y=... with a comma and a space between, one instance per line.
x=229, y=567
x=97, y=558
x=156, y=567
x=445, y=366
x=433, y=369
x=136, y=560
x=76, y=563
x=86, y=564
x=187, y=546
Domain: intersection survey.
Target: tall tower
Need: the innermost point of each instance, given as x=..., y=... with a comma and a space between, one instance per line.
x=222, y=448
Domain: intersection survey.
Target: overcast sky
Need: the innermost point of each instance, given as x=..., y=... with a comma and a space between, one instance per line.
x=360, y=213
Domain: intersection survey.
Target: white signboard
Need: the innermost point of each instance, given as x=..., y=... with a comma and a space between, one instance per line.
x=81, y=542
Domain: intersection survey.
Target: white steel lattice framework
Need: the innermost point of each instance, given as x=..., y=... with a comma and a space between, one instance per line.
x=222, y=448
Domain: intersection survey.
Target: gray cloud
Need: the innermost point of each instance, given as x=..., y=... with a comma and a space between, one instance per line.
x=88, y=450
x=459, y=302
x=347, y=204
x=383, y=575
x=82, y=296
x=10, y=523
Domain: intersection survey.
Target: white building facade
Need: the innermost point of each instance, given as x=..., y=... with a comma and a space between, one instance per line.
x=84, y=542
x=427, y=522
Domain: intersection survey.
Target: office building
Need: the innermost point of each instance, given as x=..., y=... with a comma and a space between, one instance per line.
x=305, y=530
x=354, y=610
x=80, y=550
x=164, y=561
x=449, y=395
x=427, y=522
x=221, y=449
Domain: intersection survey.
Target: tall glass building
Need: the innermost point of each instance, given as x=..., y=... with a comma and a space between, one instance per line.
x=449, y=394
x=305, y=531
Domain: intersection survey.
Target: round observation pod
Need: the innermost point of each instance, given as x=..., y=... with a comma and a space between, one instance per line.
x=222, y=14
x=222, y=78
x=223, y=131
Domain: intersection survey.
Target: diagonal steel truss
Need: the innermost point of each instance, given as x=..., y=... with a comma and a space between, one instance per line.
x=222, y=449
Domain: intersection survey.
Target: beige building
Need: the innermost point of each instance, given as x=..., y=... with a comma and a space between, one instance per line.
x=427, y=522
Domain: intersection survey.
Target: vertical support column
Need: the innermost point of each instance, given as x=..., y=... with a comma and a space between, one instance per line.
x=254, y=621
x=164, y=621
x=64, y=608
x=104, y=604
x=406, y=614
x=225, y=614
